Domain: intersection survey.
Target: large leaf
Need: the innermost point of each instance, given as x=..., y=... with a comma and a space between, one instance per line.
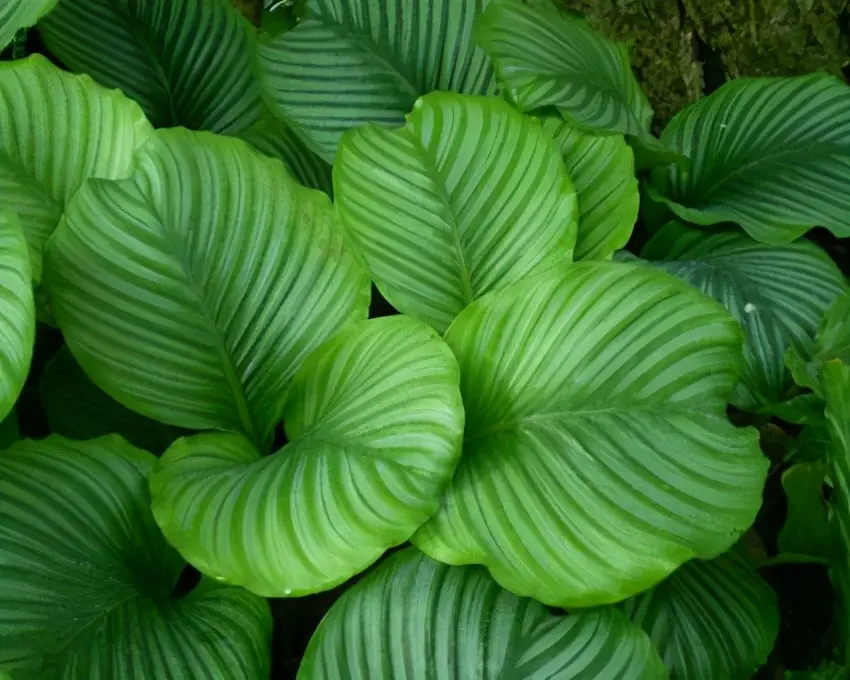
x=544, y=57
x=350, y=63
x=716, y=619
x=187, y=62
x=771, y=154
x=602, y=169
x=57, y=129
x=17, y=311
x=192, y=291
x=595, y=402
x=777, y=293
x=468, y=197
x=17, y=14
x=417, y=619
x=86, y=578
x=374, y=420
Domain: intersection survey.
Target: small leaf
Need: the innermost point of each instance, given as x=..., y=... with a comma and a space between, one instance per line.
x=595, y=402
x=18, y=14
x=832, y=341
x=716, y=619
x=417, y=619
x=805, y=531
x=468, y=197
x=374, y=422
x=86, y=577
x=770, y=154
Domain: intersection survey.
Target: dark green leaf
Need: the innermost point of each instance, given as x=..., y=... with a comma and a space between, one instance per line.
x=806, y=530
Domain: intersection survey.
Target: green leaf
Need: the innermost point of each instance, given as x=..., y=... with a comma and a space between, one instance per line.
x=277, y=140
x=777, y=293
x=347, y=64
x=374, y=422
x=17, y=311
x=86, y=578
x=602, y=169
x=192, y=291
x=806, y=530
x=770, y=154
x=78, y=409
x=801, y=409
x=417, y=619
x=57, y=130
x=832, y=341
x=9, y=432
x=595, y=409
x=544, y=57
x=18, y=14
x=468, y=197
x=186, y=62
x=716, y=619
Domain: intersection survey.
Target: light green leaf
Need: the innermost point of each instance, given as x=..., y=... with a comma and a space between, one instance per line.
x=805, y=531
x=78, y=409
x=56, y=130
x=602, y=169
x=777, y=293
x=192, y=291
x=277, y=140
x=832, y=341
x=595, y=409
x=417, y=619
x=545, y=57
x=86, y=578
x=716, y=619
x=17, y=311
x=468, y=197
x=770, y=154
x=18, y=14
x=186, y=62
x=374, y=422
x=349, y=63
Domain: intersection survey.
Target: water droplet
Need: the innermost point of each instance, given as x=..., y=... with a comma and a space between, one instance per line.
x=220, y=578
x=287, y=591
x=722, y=126
x=749, y=308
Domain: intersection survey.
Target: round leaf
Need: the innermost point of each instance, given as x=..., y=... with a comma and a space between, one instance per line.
x=192, y=291
x=777, y=293
x=86, y=578
x=18, y=14
x=374, y=420
x=56, y=130
x=602, y=169
x=17, y=312
x=417, y=619
x=350, y=63
x=770, y=154
x=186, y=62
x=595, y=402
x=469, y=196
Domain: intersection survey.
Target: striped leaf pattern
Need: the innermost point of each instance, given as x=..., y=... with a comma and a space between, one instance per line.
x=417, y=619
x=468, y=197
x=18, y=14
x=595, y=409
x=17, y=312
x=350, y=63
x=544, y=57
x=770, y=154
x=602, y=169
x=86, y=577
x=56, y=130
x=186, y=62
x=777, y=293
x=192, y=291
x=374, y=422
x=713, y=619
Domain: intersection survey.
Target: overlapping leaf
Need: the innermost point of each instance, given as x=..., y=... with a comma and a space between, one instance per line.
x=713, y=619
x=777, y=293
x=805, y=532
x=86, y=578
x=468, y=197
x=374, y=420
x=350, y=63
x=192, y=291
x=595, y=401
x=832, y=341
x=417, y=619
x=771, y=154
x=56, y=130
x=18, y=14
x=186, y=62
